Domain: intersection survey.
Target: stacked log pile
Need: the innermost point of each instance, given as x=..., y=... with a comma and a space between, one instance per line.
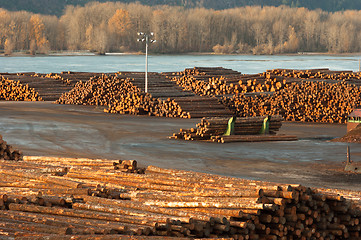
x=221, y=81
x=309, y=101
x=15, y=91
x=323, y=73
x=71, y=78
x=89, y=197
x=7, y=152
x=201, y=106
x=182, y=103
x=98, y=91
x=48, y=89
x=315, y=95
x=213, y=128
x=121, y=94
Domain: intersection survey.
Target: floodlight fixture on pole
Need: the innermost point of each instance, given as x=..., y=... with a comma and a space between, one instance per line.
x=144, y=37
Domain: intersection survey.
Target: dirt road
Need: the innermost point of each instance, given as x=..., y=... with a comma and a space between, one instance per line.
x=43, y=128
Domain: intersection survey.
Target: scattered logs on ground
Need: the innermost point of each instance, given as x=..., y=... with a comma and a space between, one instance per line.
x=213, y=128
x=92, y=198
x=352, y=136
x=309, y=101
x=7, y=152
x=15, y=91
x=128, y=166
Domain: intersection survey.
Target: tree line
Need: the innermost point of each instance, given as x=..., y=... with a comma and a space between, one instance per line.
x=56, y=7
x=113, y=27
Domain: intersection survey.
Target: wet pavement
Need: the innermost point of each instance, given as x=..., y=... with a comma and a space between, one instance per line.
x=44, y=128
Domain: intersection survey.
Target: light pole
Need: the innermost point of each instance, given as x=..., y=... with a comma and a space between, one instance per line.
x=145, y=37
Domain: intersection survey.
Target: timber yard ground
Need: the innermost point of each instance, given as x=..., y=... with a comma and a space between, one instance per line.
x=47, y=129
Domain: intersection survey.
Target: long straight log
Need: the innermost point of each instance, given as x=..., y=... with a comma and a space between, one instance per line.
x=126, y=211
x=153, y=209
x=202, y=193
x=84, y=214
x=35, y=227
x=99, y=226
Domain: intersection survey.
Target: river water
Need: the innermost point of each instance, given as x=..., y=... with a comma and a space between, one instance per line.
x=247, y=64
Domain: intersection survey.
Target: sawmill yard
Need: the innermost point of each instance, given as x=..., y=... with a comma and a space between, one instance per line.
x=71, y=118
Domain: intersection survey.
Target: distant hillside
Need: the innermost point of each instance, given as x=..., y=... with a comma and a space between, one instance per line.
x=56, y=7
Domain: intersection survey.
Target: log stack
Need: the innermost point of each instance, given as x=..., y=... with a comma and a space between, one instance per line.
x=15, y=91
x=323, y=73
x=93, y=198
x=309, y=101
x=7, y=152
x=49, y=89
x=121, y=94
x=174, y=99
x=221, y=81
x=213, y=128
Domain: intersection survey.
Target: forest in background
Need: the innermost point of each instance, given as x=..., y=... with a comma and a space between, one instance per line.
x=113, y=27
x=56, y=7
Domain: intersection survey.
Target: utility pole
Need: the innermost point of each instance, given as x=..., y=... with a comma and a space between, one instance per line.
x=147, y=39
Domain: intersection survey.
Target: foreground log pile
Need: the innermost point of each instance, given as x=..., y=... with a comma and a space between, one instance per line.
x=11, y=90
x=307, y=102
x=7, y=152
x=213, y=128
x=62, y=198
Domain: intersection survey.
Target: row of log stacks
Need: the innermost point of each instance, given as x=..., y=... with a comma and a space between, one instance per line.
x=68, y=78
x=210, y=128
x=7, y=152
x=15, y=91
x=315, y=100
x=172, y=96
x=323, y=73
x=97, y=91
x=48, y=89
x=121, y=95
x=93, y=198
x=220, y=86
x=309, y=101
x=220, y=81
x=207, y=71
